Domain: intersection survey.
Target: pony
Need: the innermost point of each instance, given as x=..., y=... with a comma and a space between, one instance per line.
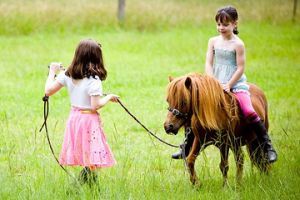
x=198, y=102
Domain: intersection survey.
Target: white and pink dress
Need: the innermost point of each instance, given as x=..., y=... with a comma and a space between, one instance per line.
x=84, y=141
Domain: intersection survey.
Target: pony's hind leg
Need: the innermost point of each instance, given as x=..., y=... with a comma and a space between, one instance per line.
x=224, y=167
x=191, y=161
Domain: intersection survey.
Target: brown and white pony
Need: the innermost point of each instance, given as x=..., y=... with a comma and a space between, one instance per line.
x=199, y=102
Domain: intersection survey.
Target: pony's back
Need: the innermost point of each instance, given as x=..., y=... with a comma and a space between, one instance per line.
x=260, y=103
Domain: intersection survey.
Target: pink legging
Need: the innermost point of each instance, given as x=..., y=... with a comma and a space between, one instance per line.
x=246, y=107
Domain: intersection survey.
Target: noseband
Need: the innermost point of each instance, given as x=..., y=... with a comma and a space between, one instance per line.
x=178, y=114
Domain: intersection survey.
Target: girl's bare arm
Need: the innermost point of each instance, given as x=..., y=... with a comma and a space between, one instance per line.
x=240, y=61
x=98, y=102
x=209, y=58
x=52, y=86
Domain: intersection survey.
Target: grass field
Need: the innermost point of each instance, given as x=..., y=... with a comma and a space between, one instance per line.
x=140, y=54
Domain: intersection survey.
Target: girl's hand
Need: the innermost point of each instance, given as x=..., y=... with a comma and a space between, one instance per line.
x=55, y=67
x=113, y=97
x=226, y=87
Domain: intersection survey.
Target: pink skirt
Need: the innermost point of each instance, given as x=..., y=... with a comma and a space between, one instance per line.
x=84, y=142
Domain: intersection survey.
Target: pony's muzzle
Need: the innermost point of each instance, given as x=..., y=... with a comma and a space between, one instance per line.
x=169, y=128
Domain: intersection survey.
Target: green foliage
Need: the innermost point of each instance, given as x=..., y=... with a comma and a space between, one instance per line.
x=138, y=64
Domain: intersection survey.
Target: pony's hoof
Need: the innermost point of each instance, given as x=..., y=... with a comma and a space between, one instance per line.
x=195, y=182
x=239, y=183
x=225, y=184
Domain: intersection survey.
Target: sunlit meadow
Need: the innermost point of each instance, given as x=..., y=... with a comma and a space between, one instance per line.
x=157, y=39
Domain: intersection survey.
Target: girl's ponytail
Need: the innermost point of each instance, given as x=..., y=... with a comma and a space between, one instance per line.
x=235, y=31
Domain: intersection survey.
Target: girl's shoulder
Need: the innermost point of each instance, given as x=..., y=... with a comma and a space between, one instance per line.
x=94, y=86
x=212, y=42
x=62, y=78
x=238, y=42
x=214, y=39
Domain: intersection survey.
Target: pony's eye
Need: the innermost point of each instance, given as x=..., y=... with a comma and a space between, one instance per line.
x=175, y=112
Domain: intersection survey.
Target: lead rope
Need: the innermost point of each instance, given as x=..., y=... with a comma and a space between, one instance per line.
x=44, y=125
x=182, y=146
x=148, y=131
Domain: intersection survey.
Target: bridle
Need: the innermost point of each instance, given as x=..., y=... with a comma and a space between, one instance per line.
x=178, y=114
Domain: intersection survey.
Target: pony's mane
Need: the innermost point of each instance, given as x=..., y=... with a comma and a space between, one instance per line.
x=205, y=96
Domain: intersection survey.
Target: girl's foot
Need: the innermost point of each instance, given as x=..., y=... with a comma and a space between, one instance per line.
x=84, y=175
x=87, y=176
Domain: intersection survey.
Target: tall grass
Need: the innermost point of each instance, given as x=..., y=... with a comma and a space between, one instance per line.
x=26, y=17
x=138, y=64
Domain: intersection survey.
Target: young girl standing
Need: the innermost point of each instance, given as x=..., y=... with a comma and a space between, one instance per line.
x=84, y=141
x=225, y=60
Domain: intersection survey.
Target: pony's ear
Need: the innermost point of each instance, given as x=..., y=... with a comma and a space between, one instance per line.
x=188, y=82
x=171, y=78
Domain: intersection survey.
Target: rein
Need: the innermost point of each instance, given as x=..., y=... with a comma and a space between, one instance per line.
x=44, y=125
x=182, y=146
x=148, y=131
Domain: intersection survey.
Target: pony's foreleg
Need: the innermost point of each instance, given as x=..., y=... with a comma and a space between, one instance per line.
x=224, y=149
x=239, y=160
x=191, y=158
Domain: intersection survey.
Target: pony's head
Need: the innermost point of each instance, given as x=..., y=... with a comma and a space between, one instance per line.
x=179, y=103
x=198, y=101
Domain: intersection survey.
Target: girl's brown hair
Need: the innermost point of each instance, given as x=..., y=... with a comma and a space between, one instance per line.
x=227, y=14
x=87, y=61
